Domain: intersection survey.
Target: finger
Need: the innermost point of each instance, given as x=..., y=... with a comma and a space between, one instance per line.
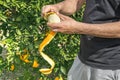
x=63, y=17
x=46, y=9
x=55, y=30
x=54, y=25
x=58, y=30
x=61, y=31
x=43, y=11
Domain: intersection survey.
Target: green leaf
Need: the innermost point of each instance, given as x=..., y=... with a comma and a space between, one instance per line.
x=3, y=18
x=4, y=4
x=63, y=70
x=0, y=49
x=1, y=59
x=18, y=32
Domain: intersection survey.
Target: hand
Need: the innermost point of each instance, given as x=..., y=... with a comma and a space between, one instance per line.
x=49, y=8
x=67, y=25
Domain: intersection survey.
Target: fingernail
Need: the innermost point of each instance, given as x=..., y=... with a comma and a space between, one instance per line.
x=48, y=23
x=55, y=30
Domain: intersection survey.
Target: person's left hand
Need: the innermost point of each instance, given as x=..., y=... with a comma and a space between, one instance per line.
x=67, y=25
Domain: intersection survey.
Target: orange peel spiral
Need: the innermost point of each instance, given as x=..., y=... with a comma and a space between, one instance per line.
x=52, y=18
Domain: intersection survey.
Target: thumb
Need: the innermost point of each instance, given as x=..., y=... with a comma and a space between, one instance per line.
x=63, y=17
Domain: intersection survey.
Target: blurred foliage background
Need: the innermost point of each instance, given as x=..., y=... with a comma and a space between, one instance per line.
x=22, y=29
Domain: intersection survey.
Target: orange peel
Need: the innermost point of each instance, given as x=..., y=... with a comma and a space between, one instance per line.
x=12, y=67
x=52, y=18
x=35, y=64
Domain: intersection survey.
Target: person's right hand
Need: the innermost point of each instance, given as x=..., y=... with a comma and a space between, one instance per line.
x=49, y=8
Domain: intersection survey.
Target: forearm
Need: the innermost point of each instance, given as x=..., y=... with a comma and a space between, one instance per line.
x=68, y=7
x=105, y=30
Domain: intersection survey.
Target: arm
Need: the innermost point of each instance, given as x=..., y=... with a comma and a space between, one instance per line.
x=67, y=7
x=105, y=30
x=70, y=26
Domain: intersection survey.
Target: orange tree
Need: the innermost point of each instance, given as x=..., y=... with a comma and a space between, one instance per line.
x=22, y=29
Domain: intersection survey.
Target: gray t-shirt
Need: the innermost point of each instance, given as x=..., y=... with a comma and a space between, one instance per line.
x=95, y=51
